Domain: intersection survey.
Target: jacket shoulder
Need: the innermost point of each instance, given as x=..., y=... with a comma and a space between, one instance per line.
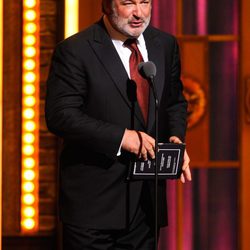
x=83, y=36
x=155, y=33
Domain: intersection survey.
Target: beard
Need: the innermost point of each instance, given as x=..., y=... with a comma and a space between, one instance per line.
x=124, y=25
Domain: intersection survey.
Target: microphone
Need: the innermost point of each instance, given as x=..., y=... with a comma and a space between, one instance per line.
x=147, y=70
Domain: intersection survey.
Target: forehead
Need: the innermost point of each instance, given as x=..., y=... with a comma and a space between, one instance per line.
x=109, y=3
x=121, y=1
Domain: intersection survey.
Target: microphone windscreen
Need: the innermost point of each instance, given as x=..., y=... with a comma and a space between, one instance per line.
x=147, y=69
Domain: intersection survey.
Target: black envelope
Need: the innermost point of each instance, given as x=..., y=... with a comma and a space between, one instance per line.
x=170, y=160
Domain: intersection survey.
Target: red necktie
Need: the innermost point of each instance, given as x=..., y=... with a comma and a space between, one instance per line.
x=142, y=87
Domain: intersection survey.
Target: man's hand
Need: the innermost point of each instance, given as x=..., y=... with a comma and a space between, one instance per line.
x=185, y=168
x=139, y=143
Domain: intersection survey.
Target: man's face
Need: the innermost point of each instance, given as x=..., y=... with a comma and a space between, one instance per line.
x=130, y=17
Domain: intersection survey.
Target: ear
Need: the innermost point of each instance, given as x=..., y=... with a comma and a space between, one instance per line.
x=106, y=6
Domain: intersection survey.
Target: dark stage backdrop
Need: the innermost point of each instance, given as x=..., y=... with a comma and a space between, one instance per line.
x=204, y=214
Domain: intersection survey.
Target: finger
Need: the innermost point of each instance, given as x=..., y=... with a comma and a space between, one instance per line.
x=186, y=161
x=182, y=178
x=174, y=139
x=147, y=138
x=151, y=140
x=143, y=154
x=151, y=153
x=187, y=174
x=148, y=144
x=150, y=149
x=185, y=165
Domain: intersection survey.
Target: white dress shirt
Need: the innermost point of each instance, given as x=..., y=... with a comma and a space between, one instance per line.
x=125, y=52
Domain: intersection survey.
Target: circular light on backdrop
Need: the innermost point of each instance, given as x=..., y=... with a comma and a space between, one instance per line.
x=29, y=138
x=29, y=89
x=29, y=212
x=29, y=126
x=28, y=113
x=29, y=223
x=30, y=101
x=30, y=77
x=28, y=199
x=28, y=187
x=28, y=150
x=30, y=28
x=29, y=40
x=29, y=175
x=30, y=15
x=30, y=52
x=29, y=162
x=30, y=3
x=29, y=64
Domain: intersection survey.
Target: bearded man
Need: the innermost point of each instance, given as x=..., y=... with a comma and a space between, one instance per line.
x=104, y=111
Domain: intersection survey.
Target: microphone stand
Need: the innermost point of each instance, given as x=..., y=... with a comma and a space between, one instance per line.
x=152, y=85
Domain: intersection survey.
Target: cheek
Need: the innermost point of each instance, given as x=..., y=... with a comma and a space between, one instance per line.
x=147, y=12
x=123, y=12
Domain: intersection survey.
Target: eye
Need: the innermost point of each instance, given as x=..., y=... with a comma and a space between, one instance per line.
x=145, y=2
x=127, y=2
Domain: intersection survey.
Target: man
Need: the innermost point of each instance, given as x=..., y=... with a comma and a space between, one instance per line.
x=93, y=104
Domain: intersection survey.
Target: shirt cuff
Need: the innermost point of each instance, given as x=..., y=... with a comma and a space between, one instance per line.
x=120, y=148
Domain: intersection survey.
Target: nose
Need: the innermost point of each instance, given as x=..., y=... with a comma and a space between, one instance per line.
x=137, y=10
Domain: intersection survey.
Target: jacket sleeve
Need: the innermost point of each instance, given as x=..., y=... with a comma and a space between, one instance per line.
x=177, y=105
x=66, y=104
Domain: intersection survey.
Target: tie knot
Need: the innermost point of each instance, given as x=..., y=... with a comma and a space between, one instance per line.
x=131, y=44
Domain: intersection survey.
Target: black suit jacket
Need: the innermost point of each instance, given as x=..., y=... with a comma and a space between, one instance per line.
x=90, y=102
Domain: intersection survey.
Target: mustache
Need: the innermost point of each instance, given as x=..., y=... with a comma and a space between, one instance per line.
x=137, y=19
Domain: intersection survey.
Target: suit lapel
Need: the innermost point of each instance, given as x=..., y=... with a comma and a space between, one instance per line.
x=155, y=55
x=108, y=56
